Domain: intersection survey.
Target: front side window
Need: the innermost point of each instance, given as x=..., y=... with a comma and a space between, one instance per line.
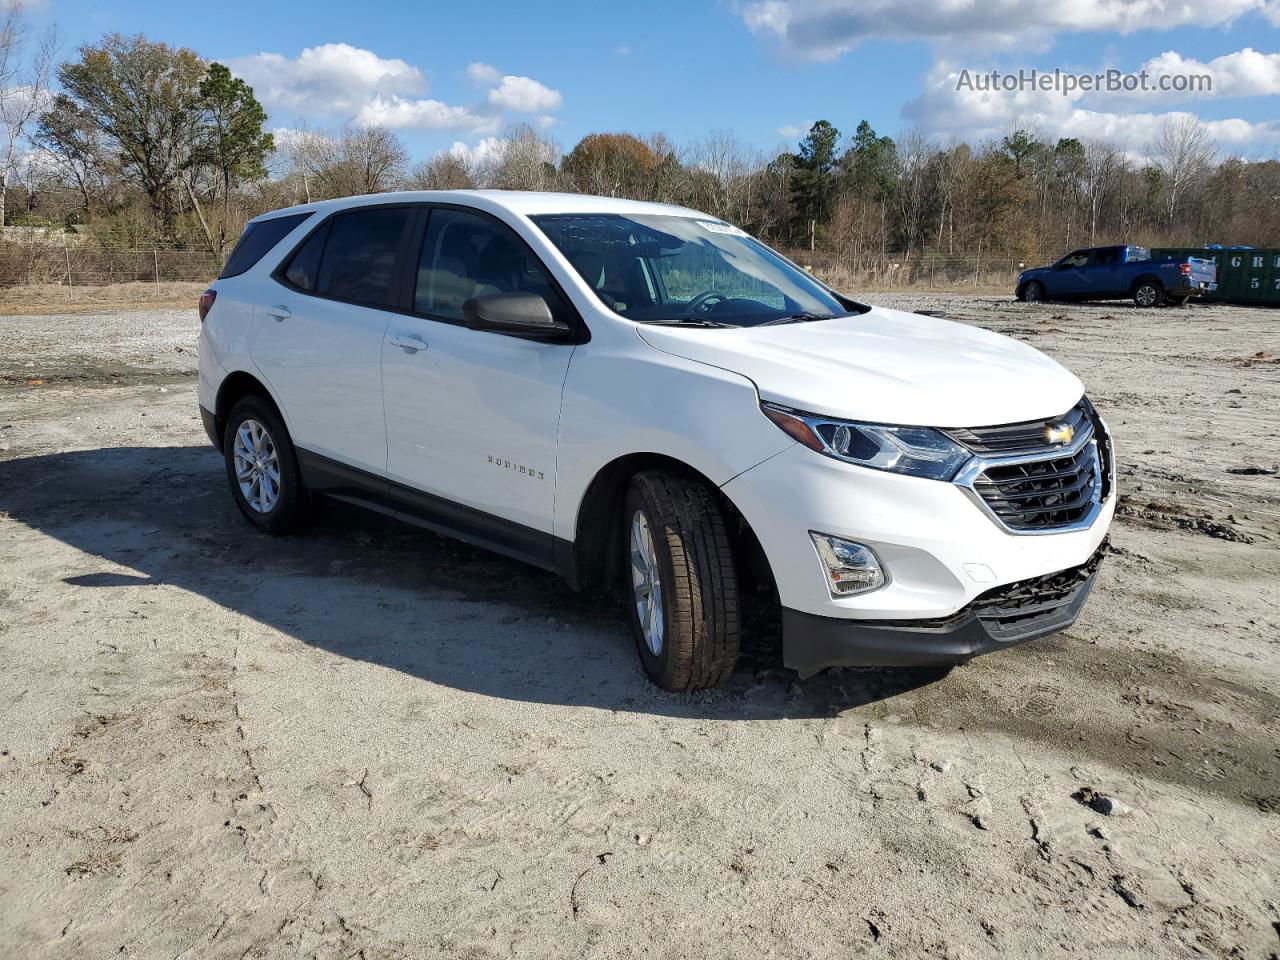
x=358, y=259
x=1077, y=259
x=676, y=269
x=465, y=255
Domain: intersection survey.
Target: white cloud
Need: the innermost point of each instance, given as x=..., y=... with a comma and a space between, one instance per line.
x=524, y=95
x=483, y=74
x=624, y=51
x=971, y=114
x=328, y=80
x=486, y=151
x=792, y=131
x=339, y=80
x=824, y=29
x=399, y=114
x=1245, y=73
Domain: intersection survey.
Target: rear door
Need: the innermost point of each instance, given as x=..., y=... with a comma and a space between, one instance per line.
x=318, y=336
x=1104, y=270
x=473, y=416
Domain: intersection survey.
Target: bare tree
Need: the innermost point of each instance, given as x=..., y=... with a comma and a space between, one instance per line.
x=912, y=197
x=1184, y=155
x=523, y=161
x=24, y=87
x=444, y=171
x=358, y=160
x=1102, y=164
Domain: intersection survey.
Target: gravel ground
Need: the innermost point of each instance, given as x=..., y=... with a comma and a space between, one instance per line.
x=370, y=741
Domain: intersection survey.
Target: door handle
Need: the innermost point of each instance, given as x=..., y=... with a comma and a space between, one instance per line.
x=409, y=343
x=280, y=312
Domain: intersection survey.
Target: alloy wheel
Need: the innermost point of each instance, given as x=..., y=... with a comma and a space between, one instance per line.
x=645, y=582
x=257, y=466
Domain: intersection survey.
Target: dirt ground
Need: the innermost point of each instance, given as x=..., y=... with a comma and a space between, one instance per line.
x=367, y=741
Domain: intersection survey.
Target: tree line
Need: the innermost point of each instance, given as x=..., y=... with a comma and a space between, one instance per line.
x=136, y=142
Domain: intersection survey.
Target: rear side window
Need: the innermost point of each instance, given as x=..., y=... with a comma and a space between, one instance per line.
x=256, y=242
x=359, y=258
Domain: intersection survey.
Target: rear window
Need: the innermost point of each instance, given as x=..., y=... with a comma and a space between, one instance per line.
x=257, y=240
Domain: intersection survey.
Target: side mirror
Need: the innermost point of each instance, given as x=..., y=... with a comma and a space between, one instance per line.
x=515, y=314
x=1062, y=265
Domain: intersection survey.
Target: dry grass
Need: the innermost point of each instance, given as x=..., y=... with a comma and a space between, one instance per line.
x=58, y=298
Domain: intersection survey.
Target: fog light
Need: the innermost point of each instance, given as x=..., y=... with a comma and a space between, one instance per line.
x=850, y=568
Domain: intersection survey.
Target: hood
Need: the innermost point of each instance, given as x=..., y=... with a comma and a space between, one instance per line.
x=886, y=366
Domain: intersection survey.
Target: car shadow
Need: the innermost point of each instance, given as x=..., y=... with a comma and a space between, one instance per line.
x=365, y=587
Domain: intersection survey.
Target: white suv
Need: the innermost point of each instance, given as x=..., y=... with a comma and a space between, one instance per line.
x=645, y=398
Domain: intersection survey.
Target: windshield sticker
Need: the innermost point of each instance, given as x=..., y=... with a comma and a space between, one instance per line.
x=721, y=228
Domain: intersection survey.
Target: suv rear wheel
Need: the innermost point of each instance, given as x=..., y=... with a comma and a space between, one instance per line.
x=262, y=467
x=683, y=598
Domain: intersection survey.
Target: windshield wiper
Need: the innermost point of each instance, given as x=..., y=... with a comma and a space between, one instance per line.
x=690, y=322
x=794, y=318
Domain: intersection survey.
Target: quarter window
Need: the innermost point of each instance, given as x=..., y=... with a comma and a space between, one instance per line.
x=465, y=256
x=305, y=263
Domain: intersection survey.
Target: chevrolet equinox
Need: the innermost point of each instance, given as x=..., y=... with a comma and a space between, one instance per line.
x=646, y=399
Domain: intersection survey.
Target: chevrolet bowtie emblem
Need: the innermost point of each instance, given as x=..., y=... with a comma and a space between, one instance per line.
x=1059, y=433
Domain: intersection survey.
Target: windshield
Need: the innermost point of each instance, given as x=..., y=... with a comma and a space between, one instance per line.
x=655, y=269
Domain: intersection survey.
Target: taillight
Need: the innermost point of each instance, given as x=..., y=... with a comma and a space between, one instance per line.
x=206, y=302
x=1185, y=269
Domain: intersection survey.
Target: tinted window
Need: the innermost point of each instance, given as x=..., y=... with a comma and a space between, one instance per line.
x=1077, y=259
x=257, y=240
x=305, y=263
x=1106, y=257
x=360, y=255
x=465, y=256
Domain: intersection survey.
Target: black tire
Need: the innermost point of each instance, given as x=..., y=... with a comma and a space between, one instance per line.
x=1148, y=293
x=290, y=507
x=1033, y=292
x=701, y=620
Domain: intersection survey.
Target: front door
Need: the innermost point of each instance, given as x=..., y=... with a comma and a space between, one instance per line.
x=1068, y=278
x=473, y=416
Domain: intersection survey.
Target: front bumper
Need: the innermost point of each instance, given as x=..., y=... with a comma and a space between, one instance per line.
x=1000, y=618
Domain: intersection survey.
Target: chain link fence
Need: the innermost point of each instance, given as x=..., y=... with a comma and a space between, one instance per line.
x=30, y=265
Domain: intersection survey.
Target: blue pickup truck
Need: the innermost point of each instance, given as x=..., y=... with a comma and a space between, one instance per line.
x=1115, y=273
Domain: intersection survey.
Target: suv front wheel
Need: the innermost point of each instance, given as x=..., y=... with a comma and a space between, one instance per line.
x=262, y=467
x=682, y=581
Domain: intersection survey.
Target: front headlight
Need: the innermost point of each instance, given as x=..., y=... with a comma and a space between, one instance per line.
x=914, y=451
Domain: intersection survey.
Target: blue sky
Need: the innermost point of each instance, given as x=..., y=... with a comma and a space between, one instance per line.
x=446, y=73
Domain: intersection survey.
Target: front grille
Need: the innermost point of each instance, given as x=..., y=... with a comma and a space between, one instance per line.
x=1013, y=439
x=1042, y=494
x=1045, y=487
x=1018, y=608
